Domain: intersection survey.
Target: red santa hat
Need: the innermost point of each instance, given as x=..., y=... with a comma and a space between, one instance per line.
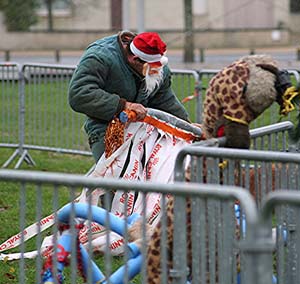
x=150, y=48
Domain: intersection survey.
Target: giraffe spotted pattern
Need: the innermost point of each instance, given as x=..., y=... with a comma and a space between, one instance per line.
x=226, y=97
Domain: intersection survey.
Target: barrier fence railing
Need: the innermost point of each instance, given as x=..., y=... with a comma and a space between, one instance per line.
x=186, y=85
x=12, y=112
x=218, y=255
x=9, y=76
x=215, y=243
x=50, y=123
x=274, y=137
x=260, y=172
x=287, y=235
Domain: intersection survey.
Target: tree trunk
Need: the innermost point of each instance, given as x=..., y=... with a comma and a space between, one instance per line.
x=50, y=15
x=188, y=35
x=116, y=14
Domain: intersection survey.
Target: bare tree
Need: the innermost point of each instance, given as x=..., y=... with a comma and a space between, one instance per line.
x=116, y=14
x=50, y=15
x=188, y=32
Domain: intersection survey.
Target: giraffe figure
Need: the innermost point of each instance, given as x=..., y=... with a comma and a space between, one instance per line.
x=236, y=95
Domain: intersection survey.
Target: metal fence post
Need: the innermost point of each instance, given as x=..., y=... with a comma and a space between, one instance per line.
x=290, y=265
x=22, y=152
x=7, y=55
x=256, y=254
x=201, y=55
x=57, y=56
x=298, y=54
x=180, y=271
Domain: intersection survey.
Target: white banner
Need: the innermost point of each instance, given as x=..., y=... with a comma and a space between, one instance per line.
x=151, y=153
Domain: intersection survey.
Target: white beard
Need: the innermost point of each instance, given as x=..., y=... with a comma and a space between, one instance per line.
x=153, y=80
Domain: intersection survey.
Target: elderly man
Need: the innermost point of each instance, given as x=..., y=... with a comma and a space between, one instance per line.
x=122, y=72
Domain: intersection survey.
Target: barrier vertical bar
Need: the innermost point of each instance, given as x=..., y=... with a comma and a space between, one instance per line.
x=179, y=272
x=20, y=151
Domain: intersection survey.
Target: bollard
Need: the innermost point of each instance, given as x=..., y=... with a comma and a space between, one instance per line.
x=7, y=55
x=57, y=56
x=298, y=54
x=201, y=54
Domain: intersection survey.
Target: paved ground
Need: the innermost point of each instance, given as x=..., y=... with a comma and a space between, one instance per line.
x=213, y=58
x=217, y=58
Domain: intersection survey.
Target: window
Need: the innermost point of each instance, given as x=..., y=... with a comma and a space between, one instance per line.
x=59, y=7
x=56, y=4
x=294, y=6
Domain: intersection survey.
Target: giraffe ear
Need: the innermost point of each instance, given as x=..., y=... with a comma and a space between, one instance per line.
x=268, y=67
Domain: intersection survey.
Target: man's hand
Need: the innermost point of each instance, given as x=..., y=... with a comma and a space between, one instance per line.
x=139, y=109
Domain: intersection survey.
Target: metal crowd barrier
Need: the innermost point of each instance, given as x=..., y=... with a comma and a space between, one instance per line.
x=259, y=172
x=38, y=110
x=187, y=87
x=274, y=137
x=50, y=124
x=9, y=76
x=221, y=264
x=287, y=234
x=218, y=254
x=36, y=114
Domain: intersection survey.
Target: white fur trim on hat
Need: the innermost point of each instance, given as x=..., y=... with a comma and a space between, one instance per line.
x=150, y=58
x=164, y=60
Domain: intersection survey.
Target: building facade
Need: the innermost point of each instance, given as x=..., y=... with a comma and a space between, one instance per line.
x=215, y=23
x=169, y=14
